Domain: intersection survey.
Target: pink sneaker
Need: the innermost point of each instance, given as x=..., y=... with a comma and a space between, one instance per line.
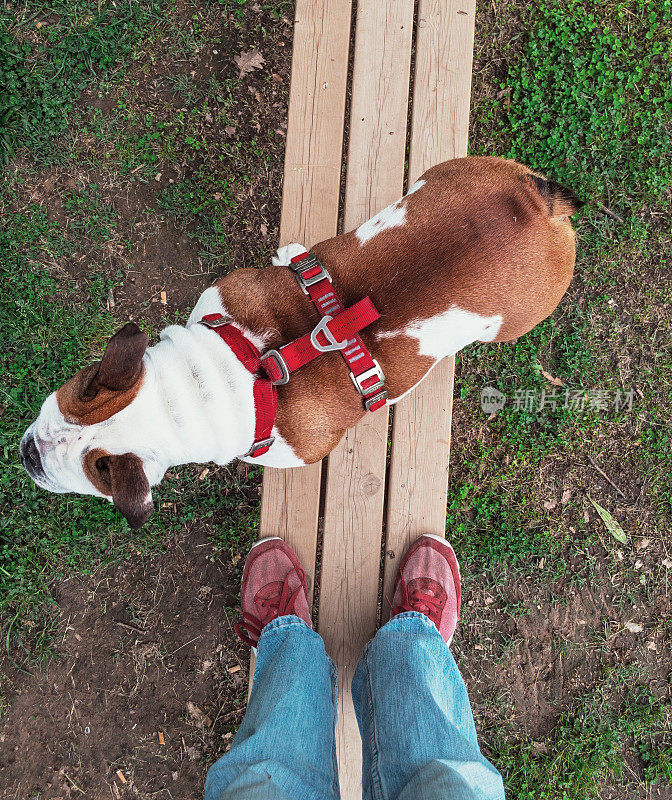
x=274, y=584
x=429, y=582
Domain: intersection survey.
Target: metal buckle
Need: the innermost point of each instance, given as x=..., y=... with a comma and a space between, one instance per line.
x=216, y=323
x=359, y=379
x=281, y=364
x=303, y=266
x=259, y=446
x=375, y=399
x=321, y=327
x=304, y=263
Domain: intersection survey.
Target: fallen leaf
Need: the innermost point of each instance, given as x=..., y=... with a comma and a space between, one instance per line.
x=610, y=523
x=642, y=544
x=247, y=62
x=549, y=505
x=229, y=130
x=667, y=563
x=201, y=719
x=193, y=753
x=551, y=379
x=633, y=627
x=566, y=497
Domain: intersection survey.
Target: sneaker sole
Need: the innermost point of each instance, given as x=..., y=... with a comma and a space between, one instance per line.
x=266, y=539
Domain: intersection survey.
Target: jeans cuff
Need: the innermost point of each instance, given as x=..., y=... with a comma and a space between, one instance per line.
x=288, y=621
x=412, y=621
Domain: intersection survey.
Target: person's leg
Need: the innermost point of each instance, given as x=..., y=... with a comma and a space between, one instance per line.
x=285, y=748
x=418, y=734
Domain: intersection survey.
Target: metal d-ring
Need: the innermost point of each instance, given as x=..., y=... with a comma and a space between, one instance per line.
x=321, y=327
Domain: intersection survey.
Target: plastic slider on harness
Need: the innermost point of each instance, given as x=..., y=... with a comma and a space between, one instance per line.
x=309, y=271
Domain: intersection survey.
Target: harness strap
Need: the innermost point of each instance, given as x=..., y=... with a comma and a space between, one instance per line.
x=337, y=330
x=365, y=372
x=264, y=391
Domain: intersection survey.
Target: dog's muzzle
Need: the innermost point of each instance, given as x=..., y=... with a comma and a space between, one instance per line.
x=30, y=458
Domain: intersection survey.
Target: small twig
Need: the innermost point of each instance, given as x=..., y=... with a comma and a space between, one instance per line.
x=170, y=655
x=609, y=212
x=131, y=627
x=606, y=477
x=74, y=785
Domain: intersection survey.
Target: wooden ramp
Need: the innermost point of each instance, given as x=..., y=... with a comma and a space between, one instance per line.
x=363, y=498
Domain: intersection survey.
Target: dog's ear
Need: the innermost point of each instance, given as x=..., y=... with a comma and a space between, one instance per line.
x=128, y=486
x=121, y=365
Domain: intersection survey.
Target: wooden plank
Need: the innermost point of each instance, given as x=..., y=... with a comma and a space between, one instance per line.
x=310, y=199
x=418, y=481
x=356, y=468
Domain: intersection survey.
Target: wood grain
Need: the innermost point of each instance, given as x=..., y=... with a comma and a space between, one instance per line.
x=356, y=468
x=418, y=480
x=310, y=200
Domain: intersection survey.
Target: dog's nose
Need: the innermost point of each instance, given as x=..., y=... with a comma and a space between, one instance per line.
x=30, y=457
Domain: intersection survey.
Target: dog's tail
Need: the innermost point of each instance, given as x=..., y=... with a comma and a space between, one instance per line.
x=561, y=202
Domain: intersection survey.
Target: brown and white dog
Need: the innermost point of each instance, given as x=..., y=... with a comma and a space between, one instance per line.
x=480, y=249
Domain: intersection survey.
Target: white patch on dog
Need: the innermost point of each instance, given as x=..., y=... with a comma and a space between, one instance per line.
x=391, y=217
x=394, y=216
x=210, y=302
x=417, y=185
x=287, y=253
x=446, y=333
x=280, y=455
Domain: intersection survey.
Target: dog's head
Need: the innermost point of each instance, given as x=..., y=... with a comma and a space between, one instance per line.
x=93, y=435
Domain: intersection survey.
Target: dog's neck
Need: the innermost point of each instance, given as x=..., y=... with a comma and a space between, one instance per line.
x=201, y=395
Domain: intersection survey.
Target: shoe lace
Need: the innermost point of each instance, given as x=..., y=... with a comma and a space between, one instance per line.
x=424, y=603
x=249, y=627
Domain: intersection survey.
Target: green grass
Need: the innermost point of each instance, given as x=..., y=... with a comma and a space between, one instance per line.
x=592, y=98
x=590, y=92
x=48, y=54
x=48, y=332
x=605, y=729
x=51, y=325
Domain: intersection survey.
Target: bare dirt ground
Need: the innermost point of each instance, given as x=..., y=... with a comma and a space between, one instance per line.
x=147, y=684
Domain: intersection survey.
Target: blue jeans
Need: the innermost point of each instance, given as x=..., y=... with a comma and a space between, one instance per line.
x=418, y=735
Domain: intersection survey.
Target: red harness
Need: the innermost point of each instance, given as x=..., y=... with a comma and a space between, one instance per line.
x=338, y=329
